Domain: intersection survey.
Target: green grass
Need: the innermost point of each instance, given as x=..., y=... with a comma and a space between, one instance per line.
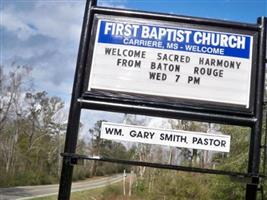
x=83, y=195
x=46, y=198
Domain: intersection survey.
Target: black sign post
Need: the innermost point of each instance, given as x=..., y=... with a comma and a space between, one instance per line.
x=256, y=131
x=75, y=107
x=249, y=115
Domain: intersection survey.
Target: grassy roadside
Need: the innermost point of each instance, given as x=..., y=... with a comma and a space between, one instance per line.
x=111, y=192
x=83, y=195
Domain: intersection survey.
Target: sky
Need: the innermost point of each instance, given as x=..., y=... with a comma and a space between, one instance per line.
x=44, y=34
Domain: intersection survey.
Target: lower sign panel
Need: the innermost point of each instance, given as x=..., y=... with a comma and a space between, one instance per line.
x=175, y=138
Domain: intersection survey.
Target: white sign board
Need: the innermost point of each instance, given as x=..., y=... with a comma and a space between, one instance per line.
x=170, y=60
x=175, y=138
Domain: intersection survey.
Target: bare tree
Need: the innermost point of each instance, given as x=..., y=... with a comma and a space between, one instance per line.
x=11, y=90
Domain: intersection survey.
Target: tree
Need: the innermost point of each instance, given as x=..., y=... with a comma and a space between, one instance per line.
x=10, y=92
x=108, y=149
x=11, y=88
x=226, y=187
x=45, y=125
x=142, y=151
x=30, y=130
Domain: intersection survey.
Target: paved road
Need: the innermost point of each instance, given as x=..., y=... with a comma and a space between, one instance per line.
x=29, y=192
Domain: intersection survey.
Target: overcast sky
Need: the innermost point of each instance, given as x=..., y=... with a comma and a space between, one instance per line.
x=44, y=34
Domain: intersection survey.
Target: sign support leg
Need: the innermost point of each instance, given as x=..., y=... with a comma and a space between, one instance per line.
x=75, y=109
x=252, y=189
x=256, y=129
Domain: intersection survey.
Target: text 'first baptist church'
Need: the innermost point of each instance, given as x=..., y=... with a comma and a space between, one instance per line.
x=125, y=33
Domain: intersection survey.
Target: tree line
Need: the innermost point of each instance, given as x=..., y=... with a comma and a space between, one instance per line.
x=32, y=134
x=30, y=130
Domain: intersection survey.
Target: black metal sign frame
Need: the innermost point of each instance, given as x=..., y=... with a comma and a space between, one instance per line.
x=168, y=102
x=198, y=111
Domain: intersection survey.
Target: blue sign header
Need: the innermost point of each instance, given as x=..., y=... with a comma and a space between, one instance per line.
x=175, y=38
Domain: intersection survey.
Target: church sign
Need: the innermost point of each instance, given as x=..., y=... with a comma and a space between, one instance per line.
x=172, y=61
